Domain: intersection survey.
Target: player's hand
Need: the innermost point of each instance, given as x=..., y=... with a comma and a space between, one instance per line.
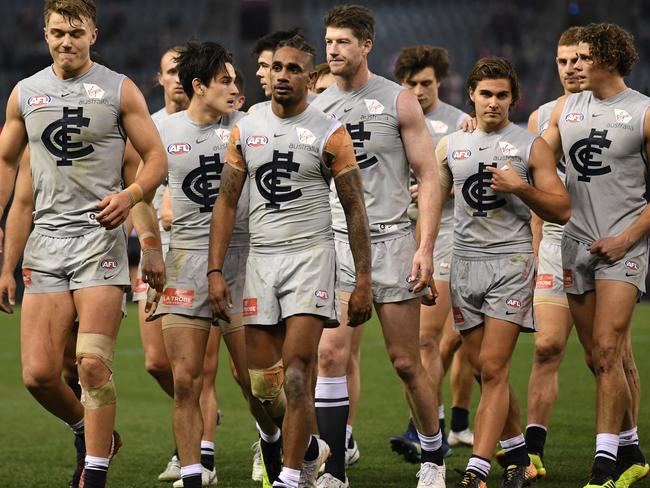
x=421, y=271
x=153, y=268
x=219, y=296
x=151, y=304
x=611, y=248
x=430, y=298
x=114, y=210
x=468, y=125
x=413, y=189
x=8, y=292
x=360, y=306
x=505, y=179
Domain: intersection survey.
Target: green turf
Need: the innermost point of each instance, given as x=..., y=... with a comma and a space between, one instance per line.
x=36, y=449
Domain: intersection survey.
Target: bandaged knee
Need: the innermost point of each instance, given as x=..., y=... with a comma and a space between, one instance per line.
x=266, y=386
x=101, y=347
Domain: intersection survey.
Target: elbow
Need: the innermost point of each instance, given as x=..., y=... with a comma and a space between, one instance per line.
x=563, y=215
x=166, y=221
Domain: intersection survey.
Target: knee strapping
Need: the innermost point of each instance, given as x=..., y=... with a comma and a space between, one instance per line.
x=98, y=346
x=94, y=398
x=266, y=386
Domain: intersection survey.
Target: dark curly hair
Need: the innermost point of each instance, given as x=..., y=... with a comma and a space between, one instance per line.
x=610, y=46
x=493, y=69
x=415, y=58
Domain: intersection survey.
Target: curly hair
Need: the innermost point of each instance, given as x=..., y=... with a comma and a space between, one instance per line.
x=493, y=69
x=415, y=58
x=610, y=46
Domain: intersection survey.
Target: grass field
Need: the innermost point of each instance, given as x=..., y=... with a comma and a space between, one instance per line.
x=36, y=449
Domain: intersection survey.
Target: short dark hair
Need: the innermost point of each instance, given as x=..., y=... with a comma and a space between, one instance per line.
x=413, y=59
x=610, y=45
x=239, y=81
x=71, y=9
x=494, y=69
x=270, y=41
x=202, y=60
x=355, y=17
x=570, y=37
x=300, y=43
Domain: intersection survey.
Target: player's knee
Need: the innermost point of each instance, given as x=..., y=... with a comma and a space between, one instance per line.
x=493, y=372
x=157, y=368
x=296, y=381
x=332, y=358
x=96, y=396
x=266, y=386
x=95, y=354
x=548, y=351
x=40, y=377
x=428, y=341
x=187, y=385
x=405, y=366
x=604, y=357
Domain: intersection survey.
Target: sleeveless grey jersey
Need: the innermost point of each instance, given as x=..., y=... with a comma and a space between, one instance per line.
x=443, y=120
x=370, y=115
x=289, y=183
x=550, y=230
x=76, y=145
x=488, y=222
x=158, y=117
x=196, y=155
x=603, y=145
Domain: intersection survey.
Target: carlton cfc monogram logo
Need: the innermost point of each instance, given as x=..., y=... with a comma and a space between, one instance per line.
x=268, y=179
x=57, y=136
x=475, y=192
x=582, y=155
x=200, y=184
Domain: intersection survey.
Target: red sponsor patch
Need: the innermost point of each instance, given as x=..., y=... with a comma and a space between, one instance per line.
x=568, y=277
x=27, y=277
x=250, y=307
x=177, y=297
x=544, y=281
x=140, y=286
x=458, y=316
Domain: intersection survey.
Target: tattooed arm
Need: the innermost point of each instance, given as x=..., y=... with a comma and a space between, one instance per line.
x=224, y=214
x=347, y=178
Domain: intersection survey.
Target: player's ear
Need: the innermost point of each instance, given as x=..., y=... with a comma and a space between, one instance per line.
x=198, y=87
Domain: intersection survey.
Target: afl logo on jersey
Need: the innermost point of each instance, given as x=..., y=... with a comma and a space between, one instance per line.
x=39, y=100
x=178, y=148
x=574, y=117
x=461, y=154
x=257, y=141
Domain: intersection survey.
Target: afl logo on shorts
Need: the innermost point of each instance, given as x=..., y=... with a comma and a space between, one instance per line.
x=574, y=117
x=39, y=100
x=178, y=148
x=322, y=294
x=108, y=264
x=461, y=154
x=513, y=303
x=257, y=141
x=632, y=265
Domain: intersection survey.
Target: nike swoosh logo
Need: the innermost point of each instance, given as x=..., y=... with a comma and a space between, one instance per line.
x=279, y=135
x=63, y=95
x=346, y=110
x=512, y=313
x=596, y=115
x=483, y=148
x=199, y=139
x=630, y=274
x=319, y=306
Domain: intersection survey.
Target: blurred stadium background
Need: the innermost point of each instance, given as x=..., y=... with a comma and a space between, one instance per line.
x=133, y=34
